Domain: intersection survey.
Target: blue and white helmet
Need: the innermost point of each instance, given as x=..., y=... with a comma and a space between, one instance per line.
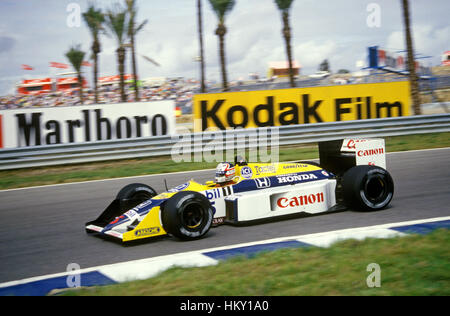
x=225, y=172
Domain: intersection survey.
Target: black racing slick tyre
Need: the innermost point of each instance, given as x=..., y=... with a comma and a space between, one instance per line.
x=187, y=215
x=367, y=188
x=134, y=194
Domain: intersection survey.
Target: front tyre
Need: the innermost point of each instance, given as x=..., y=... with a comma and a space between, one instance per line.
x=134, y=194
x=187, y=215
x=367, y=188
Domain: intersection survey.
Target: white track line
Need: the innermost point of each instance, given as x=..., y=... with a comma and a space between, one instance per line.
x=150, y=267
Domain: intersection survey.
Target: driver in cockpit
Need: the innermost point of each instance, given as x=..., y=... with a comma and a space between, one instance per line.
x=225, y=174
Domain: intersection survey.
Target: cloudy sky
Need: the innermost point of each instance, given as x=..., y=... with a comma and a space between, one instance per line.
x=35, y=32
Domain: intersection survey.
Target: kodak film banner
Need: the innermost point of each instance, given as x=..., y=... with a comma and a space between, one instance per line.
x=301, y=105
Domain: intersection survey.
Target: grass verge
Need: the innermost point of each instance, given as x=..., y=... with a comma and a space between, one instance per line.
x=411, y=265
x=136, y=167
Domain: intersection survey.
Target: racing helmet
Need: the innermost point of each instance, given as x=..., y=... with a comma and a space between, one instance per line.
x=225, y=172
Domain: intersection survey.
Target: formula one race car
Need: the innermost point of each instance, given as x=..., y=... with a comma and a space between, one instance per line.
x=351, y=175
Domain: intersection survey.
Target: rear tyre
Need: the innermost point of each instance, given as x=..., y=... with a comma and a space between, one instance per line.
x=367, y=188
x=134, y=194
x=187, y=215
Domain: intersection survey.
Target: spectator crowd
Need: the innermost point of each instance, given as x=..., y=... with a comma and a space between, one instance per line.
x=179, y=90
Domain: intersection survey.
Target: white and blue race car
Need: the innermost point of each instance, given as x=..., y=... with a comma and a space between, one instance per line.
x=351, y=175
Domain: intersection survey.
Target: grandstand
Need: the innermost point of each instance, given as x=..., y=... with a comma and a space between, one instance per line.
x=47, y=93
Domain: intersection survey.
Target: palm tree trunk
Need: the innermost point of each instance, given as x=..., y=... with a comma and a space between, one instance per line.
x=121, y=63
x=220, y=32
x=287, y=38
x=95, y=52
x=133, y=59
x=96, y=78
x=222, y=63
x=200, y=35
x=80, y=85
x=411, y=63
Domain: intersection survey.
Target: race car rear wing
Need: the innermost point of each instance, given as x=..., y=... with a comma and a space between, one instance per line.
x=338, y=156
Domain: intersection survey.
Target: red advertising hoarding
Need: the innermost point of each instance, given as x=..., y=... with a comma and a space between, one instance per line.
x=43, y=86
x=35, y=86
x=64, y=84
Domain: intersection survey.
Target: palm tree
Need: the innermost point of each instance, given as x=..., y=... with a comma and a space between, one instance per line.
x=221, y=8
x=132, y=31
x=116, y=20
x=200, y=36
x=94, y=19
x=284, y=7
x=76, y=56
x=411, y=64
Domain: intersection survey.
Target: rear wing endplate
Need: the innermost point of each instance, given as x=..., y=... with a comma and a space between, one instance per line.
x=338, y=156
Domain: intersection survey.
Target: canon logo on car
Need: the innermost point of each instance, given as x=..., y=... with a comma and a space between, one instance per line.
x=301, y=200
x=370, y=152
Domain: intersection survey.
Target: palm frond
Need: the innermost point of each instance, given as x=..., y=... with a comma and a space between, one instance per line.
x=94, y=19
x=284, y=5
x=222, y=7
x=76, y=57
x=116, y=20
x=140, y=27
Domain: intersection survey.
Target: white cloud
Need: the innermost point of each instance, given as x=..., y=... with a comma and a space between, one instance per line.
x=427, y=41
x=312, y=53
x=334, y=30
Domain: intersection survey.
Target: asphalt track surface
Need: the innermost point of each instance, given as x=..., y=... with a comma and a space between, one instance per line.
x=42, y=228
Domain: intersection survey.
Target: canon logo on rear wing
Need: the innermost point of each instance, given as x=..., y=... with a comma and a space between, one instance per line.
x=370, y=152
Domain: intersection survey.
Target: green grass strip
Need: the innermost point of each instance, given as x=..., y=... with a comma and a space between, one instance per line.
x=411, y=265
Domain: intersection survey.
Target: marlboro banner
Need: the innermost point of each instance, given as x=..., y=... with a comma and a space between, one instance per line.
x=80, y=124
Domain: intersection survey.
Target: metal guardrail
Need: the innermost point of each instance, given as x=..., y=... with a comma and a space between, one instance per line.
x=53, y=155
